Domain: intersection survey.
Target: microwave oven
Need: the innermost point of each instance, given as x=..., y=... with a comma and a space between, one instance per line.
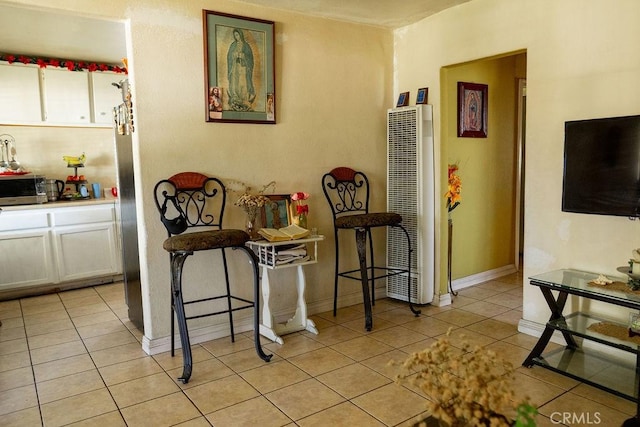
x=22, y=189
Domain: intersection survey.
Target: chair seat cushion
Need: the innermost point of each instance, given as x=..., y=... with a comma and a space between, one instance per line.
x=203, y=240
x=376, y=219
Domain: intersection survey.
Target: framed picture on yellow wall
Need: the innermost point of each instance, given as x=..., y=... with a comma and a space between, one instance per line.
x=472, y=110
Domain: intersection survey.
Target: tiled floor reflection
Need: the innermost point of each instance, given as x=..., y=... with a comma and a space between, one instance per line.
x=73, y=358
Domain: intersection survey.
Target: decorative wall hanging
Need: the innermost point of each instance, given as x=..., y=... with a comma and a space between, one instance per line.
x=403, y=99
x=69, y=64
x=472, y=110
x=239, y=69
x=423, y=96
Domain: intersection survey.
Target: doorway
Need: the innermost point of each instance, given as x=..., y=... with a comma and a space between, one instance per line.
x=489, y=223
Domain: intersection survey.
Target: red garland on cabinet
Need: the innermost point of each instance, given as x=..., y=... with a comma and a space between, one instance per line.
x=61, y=63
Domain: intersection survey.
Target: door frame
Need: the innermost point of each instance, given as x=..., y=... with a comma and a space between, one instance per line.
x=520, y=143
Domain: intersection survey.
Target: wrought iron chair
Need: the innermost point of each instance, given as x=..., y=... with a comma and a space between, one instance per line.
x=188, y=201
x=347, y=192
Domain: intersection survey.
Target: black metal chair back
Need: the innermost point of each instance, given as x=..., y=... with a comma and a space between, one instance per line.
x=347, y=191
x=190, y=199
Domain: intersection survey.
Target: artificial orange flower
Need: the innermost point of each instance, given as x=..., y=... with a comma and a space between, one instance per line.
x=454, y=188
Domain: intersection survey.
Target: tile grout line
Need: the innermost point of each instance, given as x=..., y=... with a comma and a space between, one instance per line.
x=33, y=372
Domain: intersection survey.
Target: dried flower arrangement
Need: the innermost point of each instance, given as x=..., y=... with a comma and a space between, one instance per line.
x=250, y=203
x=466, y=386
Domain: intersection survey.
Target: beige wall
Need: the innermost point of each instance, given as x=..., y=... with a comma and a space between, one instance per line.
x=334, y=84
x=40, y=150
x=332, y=90
x=582, y=62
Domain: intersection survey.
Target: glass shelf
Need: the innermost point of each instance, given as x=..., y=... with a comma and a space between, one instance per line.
x=578, y=324
x=577, y=283
x=594, y=368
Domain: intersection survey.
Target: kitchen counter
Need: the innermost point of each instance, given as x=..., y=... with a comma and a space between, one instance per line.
x=58, y=204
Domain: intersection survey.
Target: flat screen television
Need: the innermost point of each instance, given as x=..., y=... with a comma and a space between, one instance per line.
x=602, y=166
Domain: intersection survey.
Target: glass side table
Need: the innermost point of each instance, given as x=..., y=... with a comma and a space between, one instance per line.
x=613, y=364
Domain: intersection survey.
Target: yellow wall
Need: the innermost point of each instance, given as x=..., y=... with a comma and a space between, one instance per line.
x=582, y=62
x=333, y=86
x=484, y=223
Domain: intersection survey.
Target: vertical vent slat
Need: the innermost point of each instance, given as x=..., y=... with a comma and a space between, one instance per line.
x=402, y=198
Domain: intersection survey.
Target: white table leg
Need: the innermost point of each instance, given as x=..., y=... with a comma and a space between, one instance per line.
x=305, y=322
x=266, y=326
x=298, y=322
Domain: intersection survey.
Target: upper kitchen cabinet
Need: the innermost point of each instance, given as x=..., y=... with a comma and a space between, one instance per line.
x=66, y=96
x=105, y=95
x=56, y=96
x=19, y=94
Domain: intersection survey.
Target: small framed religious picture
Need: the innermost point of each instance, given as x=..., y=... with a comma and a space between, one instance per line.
x=472, y=110
x=277, y=212
x=239, y=66
x=403, y=99
x=422, y=96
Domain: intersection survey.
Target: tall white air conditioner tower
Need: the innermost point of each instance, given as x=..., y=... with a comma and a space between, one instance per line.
x=411, y=193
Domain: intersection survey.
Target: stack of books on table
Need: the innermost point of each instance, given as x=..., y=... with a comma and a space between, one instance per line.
x=287, y=254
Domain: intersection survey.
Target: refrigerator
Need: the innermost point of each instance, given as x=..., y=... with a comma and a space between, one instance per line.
x=126, y=205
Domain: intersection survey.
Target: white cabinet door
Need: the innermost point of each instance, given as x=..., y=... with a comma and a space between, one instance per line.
x=66, y=96
x=86, y=251
x=46, y=246
x=105, y=95
x=26, y=259
x=19, y=94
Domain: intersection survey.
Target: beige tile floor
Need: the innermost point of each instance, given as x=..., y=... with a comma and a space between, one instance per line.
x=73, y=358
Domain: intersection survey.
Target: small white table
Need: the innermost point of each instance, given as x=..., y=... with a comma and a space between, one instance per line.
x=266, y=252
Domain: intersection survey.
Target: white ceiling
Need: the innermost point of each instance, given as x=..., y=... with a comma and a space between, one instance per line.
x=384, y=13
x=48, y=33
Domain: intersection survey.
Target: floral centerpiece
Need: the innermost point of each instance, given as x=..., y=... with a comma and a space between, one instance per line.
x=251, y=204
x=302, y=209
x=454, y=188
x=466, y=386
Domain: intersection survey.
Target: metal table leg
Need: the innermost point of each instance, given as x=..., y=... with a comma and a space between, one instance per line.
x=556, y=306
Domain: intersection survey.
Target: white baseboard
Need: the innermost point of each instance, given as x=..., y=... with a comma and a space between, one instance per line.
x=474, y=279
x=441, y=300
x=208, y=333
x=196, y=335
x=535, y=329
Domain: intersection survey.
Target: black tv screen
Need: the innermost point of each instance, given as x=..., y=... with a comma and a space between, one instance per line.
x=602, y=166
